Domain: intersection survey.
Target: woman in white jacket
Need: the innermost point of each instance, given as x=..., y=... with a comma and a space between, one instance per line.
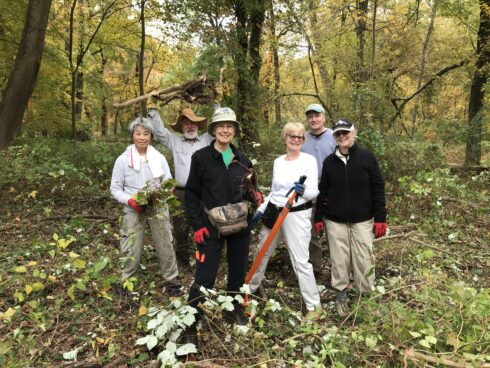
x=142, y=166
x=296, y=228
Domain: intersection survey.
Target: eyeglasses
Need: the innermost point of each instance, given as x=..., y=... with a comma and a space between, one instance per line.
x=293, y=137
x=341, y=132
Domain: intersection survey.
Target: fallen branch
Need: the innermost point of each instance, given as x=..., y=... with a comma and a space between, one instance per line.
x=87, y=217
x=434, y=247
x=208, y=363
x=419, y=357
x=404, y=235
x=200, y=91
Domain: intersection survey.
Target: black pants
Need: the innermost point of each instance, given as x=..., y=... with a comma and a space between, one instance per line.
x=181, y=233
x=237, y=257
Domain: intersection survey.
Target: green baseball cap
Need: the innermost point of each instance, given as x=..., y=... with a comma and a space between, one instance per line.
x=315, y=108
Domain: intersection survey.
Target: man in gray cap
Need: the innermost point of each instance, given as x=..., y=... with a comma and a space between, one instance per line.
x=319, y=143
x=182, y=146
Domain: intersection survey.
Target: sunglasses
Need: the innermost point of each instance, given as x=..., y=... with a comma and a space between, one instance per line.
x=341, y=132
x=293, y=137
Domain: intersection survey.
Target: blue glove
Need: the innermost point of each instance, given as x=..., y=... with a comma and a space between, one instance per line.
x=255, y=220
x=299, y=188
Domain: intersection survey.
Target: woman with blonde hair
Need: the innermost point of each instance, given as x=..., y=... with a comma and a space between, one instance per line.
x=296, y=228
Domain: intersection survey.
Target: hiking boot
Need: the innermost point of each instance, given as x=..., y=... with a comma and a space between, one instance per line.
x=173, y=287
x=236, y=316
x=190, y=335
x=342, y=307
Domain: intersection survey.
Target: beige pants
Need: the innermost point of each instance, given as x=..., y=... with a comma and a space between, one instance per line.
x=351, y=247
x=132, y=232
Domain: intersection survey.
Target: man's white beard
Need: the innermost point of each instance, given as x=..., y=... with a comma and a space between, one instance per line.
x=190, y=135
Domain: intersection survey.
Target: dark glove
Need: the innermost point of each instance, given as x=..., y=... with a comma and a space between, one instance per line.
x=299, y=188
x=319, y=226
x=259, y=198
x=255, y=220
x=199, y=235
x=134, y=205
x=379, y=229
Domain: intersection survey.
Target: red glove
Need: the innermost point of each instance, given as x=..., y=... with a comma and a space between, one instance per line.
x=134, y=205
x=199, y=235
x=379, y=229
x=319, y=226
x=258, y=195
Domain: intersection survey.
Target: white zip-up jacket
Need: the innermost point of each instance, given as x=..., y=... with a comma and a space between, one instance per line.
x=126, y=181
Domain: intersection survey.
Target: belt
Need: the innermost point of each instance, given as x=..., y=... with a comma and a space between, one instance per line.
x=179, y=188
x=302, y=207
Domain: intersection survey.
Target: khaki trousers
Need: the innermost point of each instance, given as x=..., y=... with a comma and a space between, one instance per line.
x=132, y=233
x=351, y=247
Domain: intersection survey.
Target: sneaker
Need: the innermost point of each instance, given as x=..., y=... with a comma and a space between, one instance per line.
x=342, y=307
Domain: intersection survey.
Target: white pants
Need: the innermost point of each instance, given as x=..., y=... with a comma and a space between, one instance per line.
x=132, y=233
x=296, y=230
x=351, y=246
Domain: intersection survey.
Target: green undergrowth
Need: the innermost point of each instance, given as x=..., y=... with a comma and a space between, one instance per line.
x=61, y=301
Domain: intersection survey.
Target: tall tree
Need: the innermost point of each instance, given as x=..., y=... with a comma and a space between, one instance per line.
x=250, y=16
x=423, y=62
x=75, y=62
x=360, y=75
x=24, y=72
x=477, y=90
x=141, y=57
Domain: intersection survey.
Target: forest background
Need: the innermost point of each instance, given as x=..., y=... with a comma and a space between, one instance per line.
x=410, y=74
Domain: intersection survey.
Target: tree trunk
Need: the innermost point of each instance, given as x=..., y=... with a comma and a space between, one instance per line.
x=73, y=72
x=360, y=74
x=248, y=63
x=477, y=91
x=315, y=42
x=423, y=61
x=76, y=64
x=275, y=64
x=79, y=79
x=141, y=59
x=103, y=118
x=24, y=72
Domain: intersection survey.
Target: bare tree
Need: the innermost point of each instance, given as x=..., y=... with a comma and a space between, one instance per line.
x=24, y=72
x=75, y=63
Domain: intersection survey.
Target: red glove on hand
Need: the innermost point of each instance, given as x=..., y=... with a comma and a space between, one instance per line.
x=319, y=226
x=199, y=235
x=258, y=195
x=134, y=205
x=379, y=229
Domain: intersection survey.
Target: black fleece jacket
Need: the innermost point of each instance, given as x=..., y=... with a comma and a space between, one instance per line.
x=212, y=184
x=352, y=192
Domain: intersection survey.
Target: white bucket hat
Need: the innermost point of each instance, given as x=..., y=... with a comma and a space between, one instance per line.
x=224, y=114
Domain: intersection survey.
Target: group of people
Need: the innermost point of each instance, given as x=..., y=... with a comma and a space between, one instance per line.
x=343, y=192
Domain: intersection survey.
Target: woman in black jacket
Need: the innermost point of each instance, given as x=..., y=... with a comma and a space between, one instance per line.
x=352, y=201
